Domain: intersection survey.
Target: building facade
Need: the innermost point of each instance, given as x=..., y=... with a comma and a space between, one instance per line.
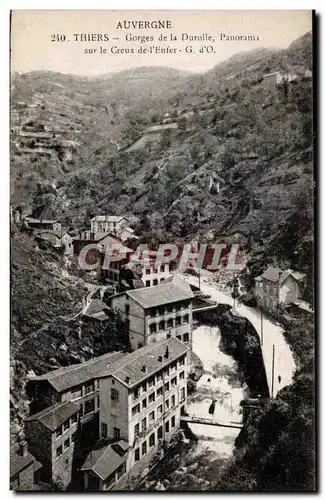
x=154, y=275
x=44, y=224
x=24, y=468
x=142, y=398
x=276, y=287
x=76, y=383
x=156, y=313
x=108, y=224
x=51, y=437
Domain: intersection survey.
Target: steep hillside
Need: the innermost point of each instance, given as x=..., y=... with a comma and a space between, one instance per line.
x=58, y=119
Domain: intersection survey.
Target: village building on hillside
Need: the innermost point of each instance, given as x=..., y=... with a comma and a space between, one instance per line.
x=154, y=275
x=276, y=287
x=108, y=224
x=142, y=397
x=52, y=231
x=51, y=437
x=67, y=242
x=156, y=313
x=76, y=383
x=24, y=468
x=44, y=224
x=108, y=270
x=127, y=233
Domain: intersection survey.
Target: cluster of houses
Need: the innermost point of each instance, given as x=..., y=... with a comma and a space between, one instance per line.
x=99, y=423
x=104, y=231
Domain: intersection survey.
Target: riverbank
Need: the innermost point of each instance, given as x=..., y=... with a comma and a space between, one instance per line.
x=270, y=334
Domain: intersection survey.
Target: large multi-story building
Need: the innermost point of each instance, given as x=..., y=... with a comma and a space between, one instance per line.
x=142, y=397
x=156, y=313
x=131, y=403
x=76, y=383
x=108, y=223
x=276, y=287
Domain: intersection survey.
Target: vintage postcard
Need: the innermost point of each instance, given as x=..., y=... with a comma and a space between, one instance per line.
x=162, y=251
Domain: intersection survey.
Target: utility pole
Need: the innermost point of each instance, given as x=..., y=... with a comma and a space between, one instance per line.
x=199, y=279
x=273, y=353
x=261, y=326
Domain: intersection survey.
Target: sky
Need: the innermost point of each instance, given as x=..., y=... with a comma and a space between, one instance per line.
x=32, y=32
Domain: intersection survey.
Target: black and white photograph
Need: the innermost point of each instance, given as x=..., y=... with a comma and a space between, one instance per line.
x=162, y=216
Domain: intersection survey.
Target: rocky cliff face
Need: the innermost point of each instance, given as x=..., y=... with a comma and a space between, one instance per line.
x=240, y=340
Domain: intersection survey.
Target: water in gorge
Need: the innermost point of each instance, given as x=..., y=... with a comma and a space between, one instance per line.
x=222, y=383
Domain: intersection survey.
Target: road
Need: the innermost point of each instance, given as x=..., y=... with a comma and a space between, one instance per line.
x=284, y=364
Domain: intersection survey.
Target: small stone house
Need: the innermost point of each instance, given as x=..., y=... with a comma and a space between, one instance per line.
x=66, y=241
x=103, y=468
x=276, y=287
x=51, y=437
x=24, y=468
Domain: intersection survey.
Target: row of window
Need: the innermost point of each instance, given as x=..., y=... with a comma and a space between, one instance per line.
x=154, y=282
x=163, y=268
x=137, y=408
x=153, y=415
x=152, y=439
x=160, y=311
x=66, y=444
x=151, y=383
x=88, y=388
x=170, y=323
x=66, y=425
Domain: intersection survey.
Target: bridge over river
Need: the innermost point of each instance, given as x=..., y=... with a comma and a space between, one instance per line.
x=209, y=421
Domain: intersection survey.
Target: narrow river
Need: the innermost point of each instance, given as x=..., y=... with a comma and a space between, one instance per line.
x=221, y=382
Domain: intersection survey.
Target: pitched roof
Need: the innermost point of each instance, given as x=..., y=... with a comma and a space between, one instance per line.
x=95, y=306
x=276, y=275
x=129, y=370
x=70, y=376
x=17, y=461
x=105, y=461
x=165, y=293
x=272, y=274
x=109, y=218
x=40, y=221
x=54, y=416
x=297, y=276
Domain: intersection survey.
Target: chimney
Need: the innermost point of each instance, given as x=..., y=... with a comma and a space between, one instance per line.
x=23, y=448
x=160, y=358
x=167, y=353
x=144, y=369
x=127, y=380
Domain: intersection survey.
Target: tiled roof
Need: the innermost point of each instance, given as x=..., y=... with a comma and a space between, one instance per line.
x=276, y=274
x=95, y=306
x=297, y=276
x=272, y=274
x=105, y=461
x=70, y=376
x=40, y=221
x=17, y=461
x=129, y=370
x=162, y=294
x=54, y=416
